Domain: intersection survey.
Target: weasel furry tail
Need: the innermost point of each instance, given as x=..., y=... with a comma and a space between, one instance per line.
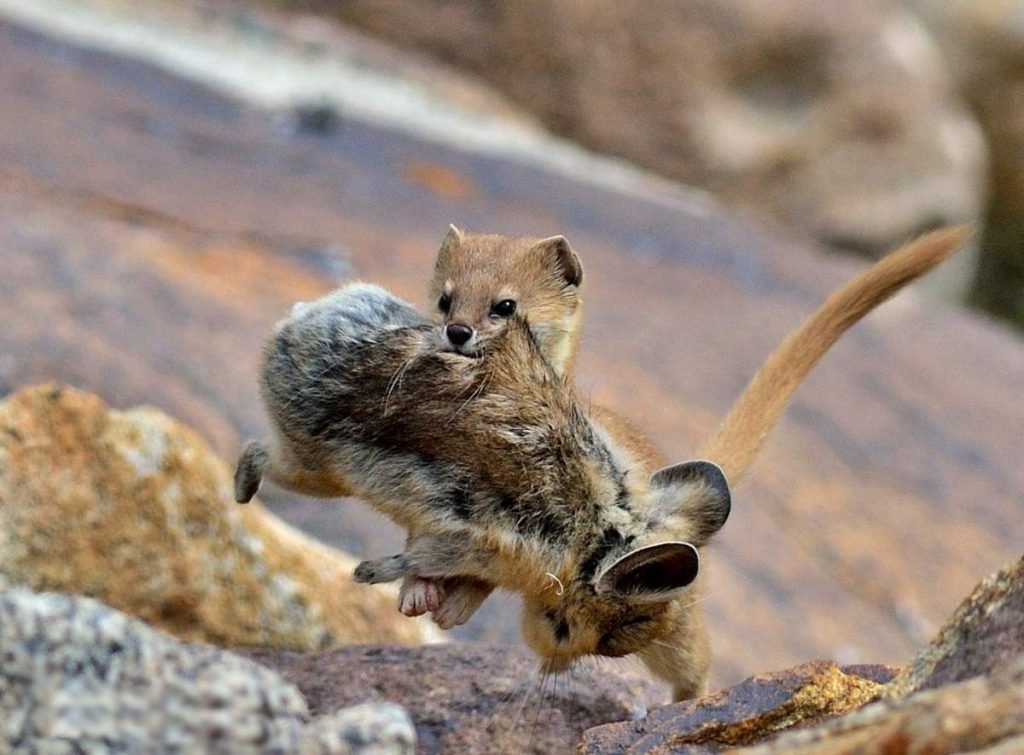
x=741, y=435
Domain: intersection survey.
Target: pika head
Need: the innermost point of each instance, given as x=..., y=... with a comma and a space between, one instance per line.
x=633, y=594
x=481, y=281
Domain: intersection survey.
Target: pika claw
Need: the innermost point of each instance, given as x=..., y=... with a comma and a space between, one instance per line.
x=418, y=596
x=364, y=572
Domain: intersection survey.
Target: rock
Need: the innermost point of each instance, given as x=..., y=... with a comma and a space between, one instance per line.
x=963, y=692
x=77, y=676
x=468, y=698
x=162, y=291
x=374, y=729
x=135, y=510
x=844, y=125
x=746, y=713
x=983, y=42
x=982, y=712
x=984, y=635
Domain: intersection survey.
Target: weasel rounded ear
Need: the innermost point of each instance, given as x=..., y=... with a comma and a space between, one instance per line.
x=697, y=490
x=568, y=263
x=451, y=240
x=652, y=573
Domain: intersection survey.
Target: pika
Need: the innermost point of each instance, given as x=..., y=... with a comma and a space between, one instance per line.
x=493, y=466
x=501, y=475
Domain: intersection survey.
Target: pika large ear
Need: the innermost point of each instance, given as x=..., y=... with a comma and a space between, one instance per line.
x=564, y=257
x=697, y=490
x=655, y=572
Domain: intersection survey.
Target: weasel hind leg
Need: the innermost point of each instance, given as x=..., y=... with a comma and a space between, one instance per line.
x=683, y=661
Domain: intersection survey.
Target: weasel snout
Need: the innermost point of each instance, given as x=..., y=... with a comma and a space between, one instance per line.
x=460, y=338
x=458, y=335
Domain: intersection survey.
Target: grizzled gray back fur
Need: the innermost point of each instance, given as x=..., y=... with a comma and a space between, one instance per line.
x=355, y=382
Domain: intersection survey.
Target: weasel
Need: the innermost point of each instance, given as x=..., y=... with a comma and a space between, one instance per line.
x=481, y=280
x=501, y=475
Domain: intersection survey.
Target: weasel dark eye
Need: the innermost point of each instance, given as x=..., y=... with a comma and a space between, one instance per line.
x=445, y=303
x=504, y=308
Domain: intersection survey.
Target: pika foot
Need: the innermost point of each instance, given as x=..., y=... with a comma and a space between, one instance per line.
x=418, y=596
x=461, y=600
x=249, y=471
x=377, y=570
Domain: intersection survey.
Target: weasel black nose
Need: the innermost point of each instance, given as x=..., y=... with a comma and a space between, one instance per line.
x=458, y=334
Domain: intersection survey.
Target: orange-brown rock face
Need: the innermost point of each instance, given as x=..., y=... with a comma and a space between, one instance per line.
x=135, y=510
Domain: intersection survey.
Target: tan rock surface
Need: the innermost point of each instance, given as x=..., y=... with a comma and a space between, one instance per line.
x=151, y=233
x=136, y=510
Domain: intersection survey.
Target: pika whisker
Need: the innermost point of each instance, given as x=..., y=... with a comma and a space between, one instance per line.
x=557, y=581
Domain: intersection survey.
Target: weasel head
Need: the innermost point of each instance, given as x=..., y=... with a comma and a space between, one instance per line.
x=629, y=592
x=480, y=281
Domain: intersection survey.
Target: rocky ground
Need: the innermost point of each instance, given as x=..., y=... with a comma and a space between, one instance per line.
x=151, y=231
x=135, y=510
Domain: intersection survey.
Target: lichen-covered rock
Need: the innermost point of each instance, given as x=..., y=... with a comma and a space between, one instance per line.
x=746, y=713
x=372, y=728
x=984, y=635
x=469, y=698
x=135, y=510
x=77, y=676
x=844, y=124
x=986, y=711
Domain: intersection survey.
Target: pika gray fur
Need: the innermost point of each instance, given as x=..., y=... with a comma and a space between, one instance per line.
x=496, y=471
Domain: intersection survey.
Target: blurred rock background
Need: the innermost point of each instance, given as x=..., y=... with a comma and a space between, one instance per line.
x=856, y=126
x=173, y=176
